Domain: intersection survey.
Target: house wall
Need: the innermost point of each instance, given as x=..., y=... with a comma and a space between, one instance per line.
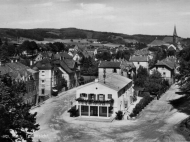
x=46, y=76
x=162, y=70
x=168, y=73
x=97, y=88
x=143, y=64
x=120, y=97
x=125, y=97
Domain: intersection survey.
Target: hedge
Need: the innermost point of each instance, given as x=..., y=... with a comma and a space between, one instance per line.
x=142, y=104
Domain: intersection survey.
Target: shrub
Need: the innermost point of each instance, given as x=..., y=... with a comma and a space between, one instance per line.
x=119, y=115
x=143, y=103
x=73, y=112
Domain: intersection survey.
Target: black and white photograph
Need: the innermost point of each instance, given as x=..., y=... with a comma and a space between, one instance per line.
x=95, y=71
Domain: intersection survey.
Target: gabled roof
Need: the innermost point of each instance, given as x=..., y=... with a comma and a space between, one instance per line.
x=116, y=81
x=172, y=47
x=65, y=55
x=168, y=62
x=70, y=63
x=157, y=42
x=126, y=66
x=142, y=52
x=63, y=65
x=44, y=64
x=168, y=39
x=109, y=64
x=16, y=70
x=139, y=59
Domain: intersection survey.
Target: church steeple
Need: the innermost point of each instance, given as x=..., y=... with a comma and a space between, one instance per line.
x=175, y=33
x=175, y=37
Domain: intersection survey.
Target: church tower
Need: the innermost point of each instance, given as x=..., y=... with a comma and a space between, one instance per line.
x=175, y=37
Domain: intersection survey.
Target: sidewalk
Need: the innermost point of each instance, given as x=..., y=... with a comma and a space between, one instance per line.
x=129, y=110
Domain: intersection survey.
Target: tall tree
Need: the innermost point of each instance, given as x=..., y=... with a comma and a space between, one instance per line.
x=141, y=77
x=154, y=82
x=184, y=69
x=16, y=122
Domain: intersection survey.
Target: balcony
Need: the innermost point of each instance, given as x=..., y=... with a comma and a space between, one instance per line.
x=95, y=102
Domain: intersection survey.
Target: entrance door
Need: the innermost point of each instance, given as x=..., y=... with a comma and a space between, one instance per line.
x=93, y=111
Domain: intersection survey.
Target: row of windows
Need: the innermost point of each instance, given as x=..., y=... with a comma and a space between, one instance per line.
x=85, y=109
x=93, y=96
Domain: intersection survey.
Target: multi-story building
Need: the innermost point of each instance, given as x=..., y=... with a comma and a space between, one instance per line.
x=103, y=98
x=140, y=61
x=123, y=68
x=166, y=67
x=46, y=78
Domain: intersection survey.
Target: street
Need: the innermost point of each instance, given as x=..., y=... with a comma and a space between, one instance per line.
x=156, y=123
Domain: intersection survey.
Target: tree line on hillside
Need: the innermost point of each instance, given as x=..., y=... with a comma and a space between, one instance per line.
x=9, y=50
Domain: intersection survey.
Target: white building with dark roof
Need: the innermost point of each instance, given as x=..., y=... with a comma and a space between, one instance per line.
x=166, y=67
x=103, y=98
x=140, y=61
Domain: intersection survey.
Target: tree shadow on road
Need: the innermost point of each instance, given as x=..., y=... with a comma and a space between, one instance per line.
x=182, y=104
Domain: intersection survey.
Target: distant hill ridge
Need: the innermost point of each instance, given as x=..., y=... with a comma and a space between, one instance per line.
x=74, y=33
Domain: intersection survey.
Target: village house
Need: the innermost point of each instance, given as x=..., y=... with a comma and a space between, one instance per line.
x=107, y=68
x=103, y=98
x=166, y=67
x=144, y=52
x=122, y=67
x=46, y=78
x=140, y=61
x=21, y=73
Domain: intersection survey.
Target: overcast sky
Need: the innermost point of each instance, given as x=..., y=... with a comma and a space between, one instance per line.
x=156, y=17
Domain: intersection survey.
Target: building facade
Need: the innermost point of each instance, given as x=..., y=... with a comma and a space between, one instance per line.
x=104, y=99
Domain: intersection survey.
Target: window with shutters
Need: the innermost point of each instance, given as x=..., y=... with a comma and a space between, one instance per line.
x=92, y=96
x=83, y=95
x=109, y=96
x=101, y=97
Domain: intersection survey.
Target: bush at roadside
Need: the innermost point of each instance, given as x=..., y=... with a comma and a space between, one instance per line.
x=143, y=103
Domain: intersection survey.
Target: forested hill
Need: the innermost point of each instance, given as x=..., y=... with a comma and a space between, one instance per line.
x=73, y=33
